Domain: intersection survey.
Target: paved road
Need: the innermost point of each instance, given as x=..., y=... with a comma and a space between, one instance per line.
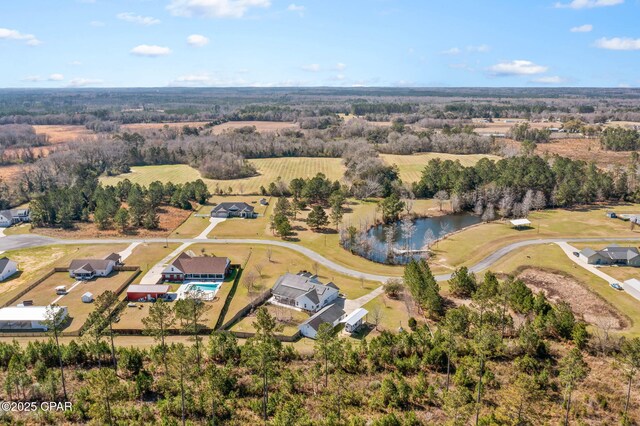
x=13, y=242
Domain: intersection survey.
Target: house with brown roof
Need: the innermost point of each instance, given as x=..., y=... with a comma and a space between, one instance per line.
x=86, y=269
x=188, y=267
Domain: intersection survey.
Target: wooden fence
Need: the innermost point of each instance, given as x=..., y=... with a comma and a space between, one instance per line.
x=263, y=297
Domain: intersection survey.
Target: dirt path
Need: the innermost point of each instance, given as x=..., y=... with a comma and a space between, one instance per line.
x=583, y=302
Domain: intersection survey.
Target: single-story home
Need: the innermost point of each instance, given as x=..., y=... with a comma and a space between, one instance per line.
x=86, y=269
x=137, y=292
x=331, y=314
x=354, y=320
x=27, y=318
x=7, y=268
x=13, y=216
x=87, y=297
x=304, y=291
x=188, y=267
x=242, y=210
x=611, y=255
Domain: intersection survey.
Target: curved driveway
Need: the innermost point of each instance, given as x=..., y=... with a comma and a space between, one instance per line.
x=13, y=242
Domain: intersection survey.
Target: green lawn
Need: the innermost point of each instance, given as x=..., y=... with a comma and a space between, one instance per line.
x=411, y=166
x=269, y=170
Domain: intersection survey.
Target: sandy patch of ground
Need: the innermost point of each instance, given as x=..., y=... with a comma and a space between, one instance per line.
x=583, y=302
x=170, y=219
x=261, y=126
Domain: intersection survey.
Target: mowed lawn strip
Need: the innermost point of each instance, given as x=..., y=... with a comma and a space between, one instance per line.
x=551, y=257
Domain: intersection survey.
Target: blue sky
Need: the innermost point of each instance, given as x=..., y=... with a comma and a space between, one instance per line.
x=159, y=43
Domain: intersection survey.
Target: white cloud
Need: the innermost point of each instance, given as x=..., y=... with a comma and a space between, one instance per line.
x=550, y=80
x=340, y=66
x=588, y=4
x=197, y=40
x=7, y=34
x=517, y=67
x=587, y=28
x=618, y=43
x=311, y=67
x=452, y=51
x=56, y=77
x=84, y=82
x=97, y=24
x=215, y=8
x=296, y=8
x=137, y=19
x=481, y=48
x=150, y=50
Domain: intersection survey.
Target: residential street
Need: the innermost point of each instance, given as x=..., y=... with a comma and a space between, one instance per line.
x=13, y=242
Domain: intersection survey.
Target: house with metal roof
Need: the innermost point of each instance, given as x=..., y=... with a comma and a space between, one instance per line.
x=304, y=291
x=188, y=267
x=242, y=210
x=7, y=268
x=611, y=255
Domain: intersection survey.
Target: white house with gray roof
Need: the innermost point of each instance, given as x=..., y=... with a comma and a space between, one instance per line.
x=304, y=291
x=13, y=216
x=332, y=314
x=611, y=255
x=242, y=210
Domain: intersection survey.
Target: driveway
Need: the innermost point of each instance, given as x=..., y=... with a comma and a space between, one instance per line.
x=214, y=221
x=154, y=274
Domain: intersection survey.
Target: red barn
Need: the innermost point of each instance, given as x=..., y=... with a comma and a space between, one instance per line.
x=147, y=292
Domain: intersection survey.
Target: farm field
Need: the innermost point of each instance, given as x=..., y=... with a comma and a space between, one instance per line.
x=505, y=125
x=64, y=133
x=411, y=166
x=261, y=126
x=143, y=127
x=269, y=168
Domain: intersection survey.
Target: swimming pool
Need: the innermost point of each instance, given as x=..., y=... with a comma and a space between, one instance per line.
x=206, y=290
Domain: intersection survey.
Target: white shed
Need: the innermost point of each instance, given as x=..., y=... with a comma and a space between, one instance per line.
x=355, y=320
x=87, y=297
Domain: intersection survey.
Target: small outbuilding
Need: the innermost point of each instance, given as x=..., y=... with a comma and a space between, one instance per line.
x=355, y=320
x=7, y=268
x=520, y=223
x=137, y=292
x=87, y=297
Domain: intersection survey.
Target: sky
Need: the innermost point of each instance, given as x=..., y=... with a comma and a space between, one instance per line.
x=278, y=43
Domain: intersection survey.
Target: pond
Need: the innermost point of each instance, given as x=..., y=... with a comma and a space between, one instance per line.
x=397, y=242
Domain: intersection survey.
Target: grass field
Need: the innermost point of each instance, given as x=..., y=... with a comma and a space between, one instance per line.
x=269, y=168
x=411, y=166
x=472, y=245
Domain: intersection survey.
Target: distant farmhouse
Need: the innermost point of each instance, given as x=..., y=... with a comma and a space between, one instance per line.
x=612, y=255
x=7, y=268
x=86, y=269
x=11, y=217
x=225, y=210
x=304, y=291
x=188, y=267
